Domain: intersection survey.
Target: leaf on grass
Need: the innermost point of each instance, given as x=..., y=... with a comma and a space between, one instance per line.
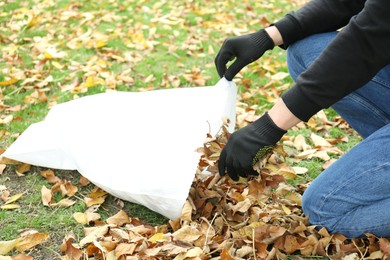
x=319, y=141
x=86, y=217
x=94, y=201
x=2, y=168
x=50, y=176
x=63, y=203
x=97, y=193
x=121, y=218
x=7, y=246
x=10, y=206
x=30, y=240
x=83, y=181
x=22, y=169
x=14, y=198
x=46, y=196
x=11, y=81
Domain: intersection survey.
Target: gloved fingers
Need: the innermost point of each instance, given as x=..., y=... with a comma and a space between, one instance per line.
x=232, y=173
x=237, y=65
x=221, y=60
x=222, y=163
x=252, y=172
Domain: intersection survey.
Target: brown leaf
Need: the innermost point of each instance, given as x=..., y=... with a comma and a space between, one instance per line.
x=225, y=255
x=22, y=169
x=30, y=240
x=384, y=246
x=2, y=168
x=187, y=234
x=46, y=196
x=121, y=218
x=83, y=181
x=71, y=251
x=63, y=203
x=50, y=176
x=125, y=249
x=96, y=233
x=86, y=217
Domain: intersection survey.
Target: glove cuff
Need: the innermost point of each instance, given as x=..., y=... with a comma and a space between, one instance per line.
x=264, y=126
x=263, y=40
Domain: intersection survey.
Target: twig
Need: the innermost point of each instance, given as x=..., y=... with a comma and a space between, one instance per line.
x=208, y=230
x=253, y=244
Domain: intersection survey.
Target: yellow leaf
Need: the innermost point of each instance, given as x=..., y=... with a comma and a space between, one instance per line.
x=11, y=81
x=7, y=246
x=101, y=43
x=286, y=210
x=10, y=206
x=158, y=237
x=14, y=198
x=97, y=192
x=48, y=56
x=90, y=201
x=57, y=65
x=90, y=82
x=29, y=241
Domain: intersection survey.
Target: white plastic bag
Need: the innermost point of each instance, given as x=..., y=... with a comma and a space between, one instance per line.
x=138, y=146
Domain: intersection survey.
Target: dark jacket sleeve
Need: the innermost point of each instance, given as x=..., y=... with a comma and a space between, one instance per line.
x=356, y=54
x=315, y=17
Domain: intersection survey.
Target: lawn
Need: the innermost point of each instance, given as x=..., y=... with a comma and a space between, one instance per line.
x=57, y=51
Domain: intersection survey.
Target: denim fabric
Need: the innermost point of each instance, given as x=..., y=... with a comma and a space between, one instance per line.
x=352, y=197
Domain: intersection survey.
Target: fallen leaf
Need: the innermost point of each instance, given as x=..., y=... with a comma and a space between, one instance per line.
x=22, y=169
x=46, y=196
x=14, y=198
x=29, y=241
x=7, y=246
x=10, y=206
x=63, y=203
x=121, y=218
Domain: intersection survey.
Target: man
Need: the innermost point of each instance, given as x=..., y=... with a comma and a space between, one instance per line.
x=339, y=56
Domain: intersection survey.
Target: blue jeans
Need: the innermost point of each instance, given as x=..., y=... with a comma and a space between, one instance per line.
x=352, y=196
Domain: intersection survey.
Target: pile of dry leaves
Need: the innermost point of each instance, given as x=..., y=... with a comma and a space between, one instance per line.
x=257, y=218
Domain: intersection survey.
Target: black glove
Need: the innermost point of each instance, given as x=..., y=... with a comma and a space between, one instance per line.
x=248, y=145
x=246, y=48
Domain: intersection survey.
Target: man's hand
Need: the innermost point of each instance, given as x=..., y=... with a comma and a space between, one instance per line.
x=246, y=145
x=246, y=49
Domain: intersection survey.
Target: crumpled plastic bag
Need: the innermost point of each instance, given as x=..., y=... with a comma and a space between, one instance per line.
x=137, y=146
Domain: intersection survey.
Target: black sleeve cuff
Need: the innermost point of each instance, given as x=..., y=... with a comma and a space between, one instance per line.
x=290, y=30
x=299, y=104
